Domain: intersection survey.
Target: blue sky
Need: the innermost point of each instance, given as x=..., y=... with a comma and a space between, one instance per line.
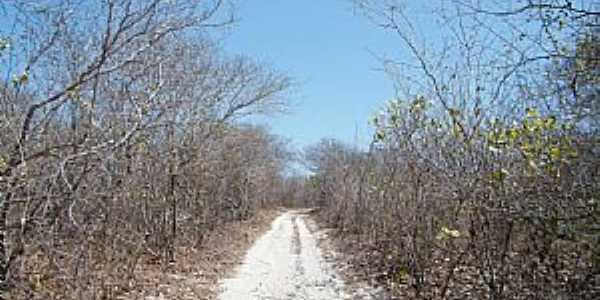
x=331, y=52
x=327, y=48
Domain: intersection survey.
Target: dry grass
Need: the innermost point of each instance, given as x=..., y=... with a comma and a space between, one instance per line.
x=197, y=271
x=194, y=274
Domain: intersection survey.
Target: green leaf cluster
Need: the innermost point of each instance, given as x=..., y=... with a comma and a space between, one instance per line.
x=398, y=115
x=541, y=141
x=3, y=164
x=21, y=79
x=402, y=274
x=447, y=233
x=4, y=44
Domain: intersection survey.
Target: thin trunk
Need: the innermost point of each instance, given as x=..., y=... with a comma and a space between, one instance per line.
x=4, y=206
x=174, y=216
x=5, y=197
x=171, y=193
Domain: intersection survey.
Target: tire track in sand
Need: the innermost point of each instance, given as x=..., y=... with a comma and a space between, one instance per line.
x=286, y=263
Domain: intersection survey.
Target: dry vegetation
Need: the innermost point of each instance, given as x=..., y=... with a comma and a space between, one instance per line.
x=196, y=275
x=124, y=166
x=482, y=181
x=121, y=150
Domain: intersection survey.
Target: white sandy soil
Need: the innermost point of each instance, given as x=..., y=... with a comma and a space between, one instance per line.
x=286, y=263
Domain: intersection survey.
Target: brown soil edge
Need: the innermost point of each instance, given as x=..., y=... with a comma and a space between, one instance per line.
x=197, y=272
x=335, y=251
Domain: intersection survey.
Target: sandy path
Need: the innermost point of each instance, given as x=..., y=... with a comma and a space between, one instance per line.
x=286, y=263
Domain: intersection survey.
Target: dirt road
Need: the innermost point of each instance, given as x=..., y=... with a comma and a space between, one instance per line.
x=287, y=263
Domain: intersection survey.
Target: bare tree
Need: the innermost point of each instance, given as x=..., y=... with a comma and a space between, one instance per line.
x=470, y=185
x=115, y=116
